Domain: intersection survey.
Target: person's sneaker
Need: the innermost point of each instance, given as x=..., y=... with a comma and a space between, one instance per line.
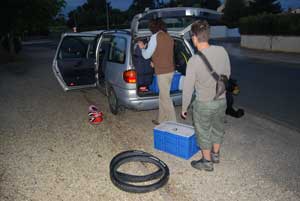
x=235, y=113
x=203, y=164
x=215, y=157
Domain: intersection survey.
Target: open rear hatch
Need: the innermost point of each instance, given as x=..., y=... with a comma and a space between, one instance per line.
x=176, y=19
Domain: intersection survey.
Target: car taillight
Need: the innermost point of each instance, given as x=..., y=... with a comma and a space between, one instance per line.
x=129, y=76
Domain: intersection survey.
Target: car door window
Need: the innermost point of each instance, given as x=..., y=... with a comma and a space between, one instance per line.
x=117, y=53
x=105, y=47
x=75, y=47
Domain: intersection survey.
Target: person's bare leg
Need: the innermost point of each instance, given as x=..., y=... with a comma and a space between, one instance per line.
x=215, y=155
x=206, y=154
x=216, y=148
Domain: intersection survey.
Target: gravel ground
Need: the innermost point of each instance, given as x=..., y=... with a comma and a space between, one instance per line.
x=48, y=150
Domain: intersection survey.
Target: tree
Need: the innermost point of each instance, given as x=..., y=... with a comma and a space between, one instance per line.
x=233, y=11
x=92, y=14
x=118, y=18
x=264, y=6
x=211, y=4
x=19, y=16
x=138, y=6
x=172, y=3
x=181, y=3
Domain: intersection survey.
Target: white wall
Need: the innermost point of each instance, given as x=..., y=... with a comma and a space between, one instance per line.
x=287, y=44
x=233, y=32
x=223, y=32
x=271, y=43
x=218, y=32
x=256, y=42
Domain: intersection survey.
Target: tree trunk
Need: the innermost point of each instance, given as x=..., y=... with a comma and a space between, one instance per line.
x=11, y=46
x=4, y=54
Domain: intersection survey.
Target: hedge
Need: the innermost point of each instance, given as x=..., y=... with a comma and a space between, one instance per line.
x=271, y=24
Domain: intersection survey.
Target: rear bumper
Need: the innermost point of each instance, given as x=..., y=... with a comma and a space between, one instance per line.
x=129, y=99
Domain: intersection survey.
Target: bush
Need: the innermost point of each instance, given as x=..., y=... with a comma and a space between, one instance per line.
x=233, y=11
x=271, y=24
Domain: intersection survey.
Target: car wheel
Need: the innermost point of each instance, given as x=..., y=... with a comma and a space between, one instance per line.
x=113, y=101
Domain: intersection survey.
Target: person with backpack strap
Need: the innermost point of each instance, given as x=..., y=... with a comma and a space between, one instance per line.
x=206, y=73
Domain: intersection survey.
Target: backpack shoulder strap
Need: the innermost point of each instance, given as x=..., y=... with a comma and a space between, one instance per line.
x=208, y=66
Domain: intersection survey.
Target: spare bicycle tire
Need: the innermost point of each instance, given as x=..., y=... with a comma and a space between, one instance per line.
x=134, y=178
x=134, y=155
x=123, y=185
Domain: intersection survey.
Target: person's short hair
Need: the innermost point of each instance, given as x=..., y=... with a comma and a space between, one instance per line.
x=156, y=25
x=201, y=30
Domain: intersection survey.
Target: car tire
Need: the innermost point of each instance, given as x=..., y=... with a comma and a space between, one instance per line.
x=113, y=101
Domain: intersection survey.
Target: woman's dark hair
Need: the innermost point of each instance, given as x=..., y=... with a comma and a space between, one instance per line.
x=156, y=25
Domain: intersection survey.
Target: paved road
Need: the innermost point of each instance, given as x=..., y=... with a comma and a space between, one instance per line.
x=269, y=88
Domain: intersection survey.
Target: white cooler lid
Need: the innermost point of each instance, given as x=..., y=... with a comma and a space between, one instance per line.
x=176, y=128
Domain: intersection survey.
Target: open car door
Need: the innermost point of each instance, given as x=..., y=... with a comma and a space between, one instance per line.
x=176, y=19
x=74, y=62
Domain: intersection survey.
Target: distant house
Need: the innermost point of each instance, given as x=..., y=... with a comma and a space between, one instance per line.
x=295, y=10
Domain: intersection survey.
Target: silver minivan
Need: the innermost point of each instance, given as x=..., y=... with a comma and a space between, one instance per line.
x=104, y=59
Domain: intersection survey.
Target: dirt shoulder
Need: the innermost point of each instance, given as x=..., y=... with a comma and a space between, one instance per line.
x=48, y=150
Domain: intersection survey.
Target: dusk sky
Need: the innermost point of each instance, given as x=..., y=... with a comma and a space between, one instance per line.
x=124, y=4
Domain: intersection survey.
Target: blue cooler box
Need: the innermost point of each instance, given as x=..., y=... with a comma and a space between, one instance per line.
x=174, y=85
x=175, y=138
